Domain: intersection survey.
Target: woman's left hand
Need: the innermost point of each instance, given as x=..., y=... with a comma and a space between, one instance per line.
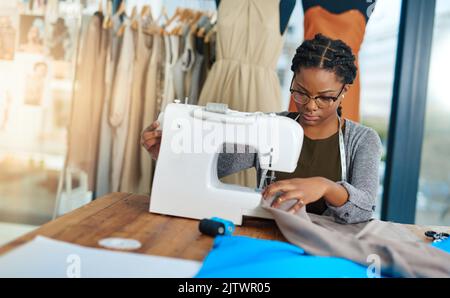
x=304, y=191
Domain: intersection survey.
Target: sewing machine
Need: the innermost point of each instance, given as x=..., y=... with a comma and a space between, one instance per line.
x=186, y=183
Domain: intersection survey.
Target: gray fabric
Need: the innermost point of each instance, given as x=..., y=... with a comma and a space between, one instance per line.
x=178, y=79
x=390, y=230
x=195, y=84
x=399, y=252
x=363, y=154
x=183, y=65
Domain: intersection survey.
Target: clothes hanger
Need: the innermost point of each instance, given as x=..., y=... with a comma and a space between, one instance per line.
x=134, y=11
x=190, y=19
x=210, y=33
x=202, y=29
x=175, y=16
x=100, y=6
x=121, y=30
x=194, y=23
x=202, y=24
x=107, y=22
x=146, y=11
x=177, y=22
x=155, y=27
x=187, y=19
x=134, y=21
x=163, y=15
x=201, y=32
x=213, y=29
x=121, y=11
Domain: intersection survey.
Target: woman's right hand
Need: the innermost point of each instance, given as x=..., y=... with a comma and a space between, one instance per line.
x=151, y=139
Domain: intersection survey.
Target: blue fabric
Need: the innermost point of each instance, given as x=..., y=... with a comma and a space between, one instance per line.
x=444, y=245
x=244, y=257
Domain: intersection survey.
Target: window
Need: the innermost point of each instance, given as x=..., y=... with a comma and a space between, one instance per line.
x=377, y=60
x=433, y=197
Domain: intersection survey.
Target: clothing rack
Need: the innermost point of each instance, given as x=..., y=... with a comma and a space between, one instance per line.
x=123, y=21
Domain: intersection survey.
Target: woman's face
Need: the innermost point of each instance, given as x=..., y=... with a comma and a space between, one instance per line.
x=317, y=82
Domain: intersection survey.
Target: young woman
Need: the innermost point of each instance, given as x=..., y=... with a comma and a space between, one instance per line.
x=337, y=172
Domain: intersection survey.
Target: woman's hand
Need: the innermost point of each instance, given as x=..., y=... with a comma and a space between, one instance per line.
x=151, y=139
x=304, y=191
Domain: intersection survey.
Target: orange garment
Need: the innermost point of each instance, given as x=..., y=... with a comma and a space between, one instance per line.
x=349, y=27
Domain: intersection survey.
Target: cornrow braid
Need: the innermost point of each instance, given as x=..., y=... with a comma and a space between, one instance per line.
x=326, y=53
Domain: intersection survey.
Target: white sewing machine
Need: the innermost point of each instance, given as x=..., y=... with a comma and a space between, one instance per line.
x=186, y=183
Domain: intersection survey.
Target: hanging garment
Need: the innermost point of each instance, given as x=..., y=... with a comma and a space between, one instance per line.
x=361, y=243
x=161, y=76
x=248, y=46
x=183, y=66
x=199, y=68
x=344, y=20
x=98, y=101
x=178, y=80
x=243, y=76
x=105, y=147
x=171, y=43
x=120, y=105
x=152, y=102
x=131, y=171
x=87, y=102
x=189, y=59
x=245, y=257
x=196, y=79
x=209, y=51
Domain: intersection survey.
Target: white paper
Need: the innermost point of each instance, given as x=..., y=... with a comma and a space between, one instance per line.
x=44, y=257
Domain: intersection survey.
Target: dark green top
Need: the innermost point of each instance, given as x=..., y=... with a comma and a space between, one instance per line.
x=319, y=158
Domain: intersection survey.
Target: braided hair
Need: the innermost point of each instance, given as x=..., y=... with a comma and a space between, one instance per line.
x=329, y=54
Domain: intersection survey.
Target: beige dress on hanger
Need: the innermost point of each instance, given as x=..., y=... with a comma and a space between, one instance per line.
x=120, y=105
x=244, y=76
x=88, y=102
x=105, y=147
x=152, y=103
x=131, y=171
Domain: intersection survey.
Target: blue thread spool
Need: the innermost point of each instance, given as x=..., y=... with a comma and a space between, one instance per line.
x=229, y=226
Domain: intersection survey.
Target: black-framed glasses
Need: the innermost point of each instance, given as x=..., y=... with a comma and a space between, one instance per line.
x=321, y=101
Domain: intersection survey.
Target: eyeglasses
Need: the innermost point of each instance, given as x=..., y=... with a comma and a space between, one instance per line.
x=321, y=101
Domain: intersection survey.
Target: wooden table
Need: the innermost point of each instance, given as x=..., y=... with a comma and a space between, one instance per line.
x=126, y=215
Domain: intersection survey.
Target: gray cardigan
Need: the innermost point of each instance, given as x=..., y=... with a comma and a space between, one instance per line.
x=363, y=154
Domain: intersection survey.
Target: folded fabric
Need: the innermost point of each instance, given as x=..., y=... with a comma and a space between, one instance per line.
x=244, y=257
x=361, y=244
